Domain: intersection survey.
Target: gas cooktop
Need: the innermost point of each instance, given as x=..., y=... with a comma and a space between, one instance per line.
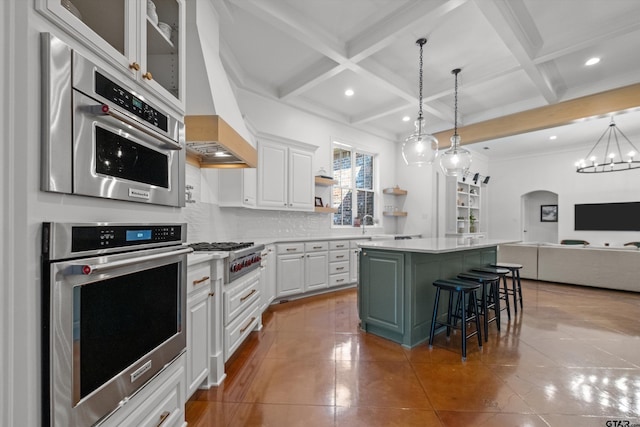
x=220, y=246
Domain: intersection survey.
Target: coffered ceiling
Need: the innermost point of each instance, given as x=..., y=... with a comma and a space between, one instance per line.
x=515, y=55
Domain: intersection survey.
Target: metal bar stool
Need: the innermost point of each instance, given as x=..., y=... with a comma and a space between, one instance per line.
x=516, y=290
x=504, y=292
x=460, y=290
x=490, y=284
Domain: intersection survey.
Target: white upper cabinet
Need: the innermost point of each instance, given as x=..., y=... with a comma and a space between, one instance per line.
x=129, y=34
x=285, y=177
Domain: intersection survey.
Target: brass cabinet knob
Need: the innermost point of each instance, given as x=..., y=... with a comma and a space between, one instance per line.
x=134, y=66
x=148, y=76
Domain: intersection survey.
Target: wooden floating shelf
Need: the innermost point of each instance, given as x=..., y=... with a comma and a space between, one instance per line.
x=321, y=209
x=325, y=181
x=395, y=213
x=395, y=191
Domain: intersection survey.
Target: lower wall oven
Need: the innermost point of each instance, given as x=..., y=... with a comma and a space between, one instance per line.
x=113, y=314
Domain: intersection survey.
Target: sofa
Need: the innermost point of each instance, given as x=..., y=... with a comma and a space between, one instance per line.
x=602, y=267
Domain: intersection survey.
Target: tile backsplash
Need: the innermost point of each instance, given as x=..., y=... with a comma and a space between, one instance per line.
x=210, y=222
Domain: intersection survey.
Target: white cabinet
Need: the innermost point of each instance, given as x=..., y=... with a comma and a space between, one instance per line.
x=199, y=286
x=338, y=263
x=316, y=261
x=285, y=178
x=463, y=207
x=126, y=34
x=241, y=310
x=237, y=187
x=267, y=276
x=290, y=269
x=354, y=253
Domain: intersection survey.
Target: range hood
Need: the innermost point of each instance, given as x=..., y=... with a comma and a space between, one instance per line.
x=215, y=131
x=216, y=144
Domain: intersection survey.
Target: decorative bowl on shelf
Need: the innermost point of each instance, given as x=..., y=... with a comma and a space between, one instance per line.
x=151, y=12
x=165, y=29
x=71, y=8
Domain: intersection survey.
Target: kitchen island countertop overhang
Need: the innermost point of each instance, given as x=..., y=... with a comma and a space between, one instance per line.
x=434, y=245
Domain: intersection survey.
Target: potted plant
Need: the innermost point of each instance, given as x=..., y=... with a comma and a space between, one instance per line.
x=472, y=223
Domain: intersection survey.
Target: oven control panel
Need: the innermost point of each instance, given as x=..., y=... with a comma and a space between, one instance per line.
x=128, y=101
x=87, y=238
x=244, y=265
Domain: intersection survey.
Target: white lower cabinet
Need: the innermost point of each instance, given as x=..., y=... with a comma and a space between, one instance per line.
x=242, y=314
x=315, y=266
x=199, y=287
x=290, y=269
x=304, y=267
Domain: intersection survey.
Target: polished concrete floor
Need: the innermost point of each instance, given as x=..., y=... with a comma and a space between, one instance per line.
x=570, y=358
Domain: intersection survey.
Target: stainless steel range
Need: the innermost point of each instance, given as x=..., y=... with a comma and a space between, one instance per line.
x=244, y=257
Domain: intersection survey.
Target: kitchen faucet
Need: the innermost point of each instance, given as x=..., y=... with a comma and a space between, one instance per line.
x=363, y=221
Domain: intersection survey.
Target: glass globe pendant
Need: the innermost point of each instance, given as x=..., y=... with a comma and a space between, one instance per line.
x=456, y=160
x=420, y=148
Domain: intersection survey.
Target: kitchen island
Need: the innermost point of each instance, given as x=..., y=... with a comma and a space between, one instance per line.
x=395, y=289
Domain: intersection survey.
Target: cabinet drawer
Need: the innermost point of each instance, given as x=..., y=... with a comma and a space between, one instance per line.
x=240, y=296
x=316, y=246
x=290, y=248
x=339, y=267
x=164, y=407
x=339, y=244
x=338, y=279
x=342, y=255
x=240, y=328
x=198, y=276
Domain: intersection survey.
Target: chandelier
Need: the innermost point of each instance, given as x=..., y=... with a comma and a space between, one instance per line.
x=456, y=160
x=612, y=158
x=420, y=148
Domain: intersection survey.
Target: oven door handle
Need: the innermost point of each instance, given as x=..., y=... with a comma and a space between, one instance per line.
x=105, y=110
x=87, y=269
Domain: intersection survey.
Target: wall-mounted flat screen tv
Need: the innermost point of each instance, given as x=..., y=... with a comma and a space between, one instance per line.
x=608, y=216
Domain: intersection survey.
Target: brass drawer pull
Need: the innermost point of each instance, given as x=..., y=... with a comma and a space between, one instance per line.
x=339, y=280
x=204, y=279
x=340, y=256
x=339, y=246
x=291, y=249
x=317, y=247
x=340, y=268
x=248, y=295
x=211, y=294
x=248, y=324
x=163, y=418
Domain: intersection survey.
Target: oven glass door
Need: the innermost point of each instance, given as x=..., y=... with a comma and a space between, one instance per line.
x=114, y=157
x=113, y=329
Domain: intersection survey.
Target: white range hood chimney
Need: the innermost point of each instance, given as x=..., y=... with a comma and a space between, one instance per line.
x=215, y=131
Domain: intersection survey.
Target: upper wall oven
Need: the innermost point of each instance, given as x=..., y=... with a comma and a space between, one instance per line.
x=102, y=138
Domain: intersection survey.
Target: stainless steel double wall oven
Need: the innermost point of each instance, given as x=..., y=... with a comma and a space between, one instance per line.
x=113, y=314
x=102, y=137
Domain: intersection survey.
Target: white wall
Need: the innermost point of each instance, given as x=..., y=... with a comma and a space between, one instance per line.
x=555, y=172
x=534, y=229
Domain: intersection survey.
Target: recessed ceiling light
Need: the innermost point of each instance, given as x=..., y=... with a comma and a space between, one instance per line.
x=592, y=61
x=406, y=118
x=552, y=137
x=349, y=92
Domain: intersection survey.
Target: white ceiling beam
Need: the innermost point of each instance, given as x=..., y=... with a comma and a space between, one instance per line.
x=514, y=25
x=318, y=72
x=381, y=34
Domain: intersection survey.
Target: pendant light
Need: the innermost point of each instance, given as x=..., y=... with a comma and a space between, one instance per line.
x=420, y=148
x=616, y=156
x=456, y=160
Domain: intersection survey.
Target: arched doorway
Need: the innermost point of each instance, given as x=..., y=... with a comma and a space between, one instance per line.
x=536, y=227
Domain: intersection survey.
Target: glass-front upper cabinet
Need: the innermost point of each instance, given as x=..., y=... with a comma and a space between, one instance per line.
x=145, y=39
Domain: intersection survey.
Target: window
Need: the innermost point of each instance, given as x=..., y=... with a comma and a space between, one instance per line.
x=354, y=172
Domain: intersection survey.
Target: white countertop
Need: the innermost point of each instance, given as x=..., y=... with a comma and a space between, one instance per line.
x=434, y=245
x=198, y=257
